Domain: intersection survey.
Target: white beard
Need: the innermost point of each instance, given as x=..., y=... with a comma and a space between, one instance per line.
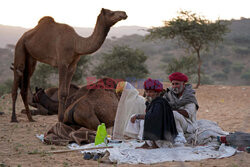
x=178, y=90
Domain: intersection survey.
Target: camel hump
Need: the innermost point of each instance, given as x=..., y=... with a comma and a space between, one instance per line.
x=46, y=19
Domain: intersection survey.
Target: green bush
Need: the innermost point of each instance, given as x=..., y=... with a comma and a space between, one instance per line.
x=237, y=67
x=167, y=58
x=6, y=87
x=242, y=51
x=81, y=69
x=220, y=76
x=40, y=77
x=205, y=80
x=226, y=69
x=121, y=63
x=246, y=76
x=222, y=62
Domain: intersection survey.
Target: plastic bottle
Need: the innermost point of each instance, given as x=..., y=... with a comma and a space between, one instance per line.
x=101, y=134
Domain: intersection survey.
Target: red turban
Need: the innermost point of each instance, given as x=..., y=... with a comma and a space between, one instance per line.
x=178, y=77
x=151, y=84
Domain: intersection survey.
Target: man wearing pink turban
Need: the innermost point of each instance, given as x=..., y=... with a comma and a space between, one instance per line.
x=159, y=124
x=182, y=100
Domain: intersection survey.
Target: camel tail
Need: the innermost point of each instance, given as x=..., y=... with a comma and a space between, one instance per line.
x=46, y=19
x=20, y=60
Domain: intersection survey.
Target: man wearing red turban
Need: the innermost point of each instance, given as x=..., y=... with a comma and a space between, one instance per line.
x=182, y=100
x=159, y=124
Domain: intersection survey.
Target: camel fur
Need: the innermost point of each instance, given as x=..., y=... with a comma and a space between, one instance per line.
x=60, y=46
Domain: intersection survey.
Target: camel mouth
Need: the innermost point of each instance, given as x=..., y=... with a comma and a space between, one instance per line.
x=124, y=17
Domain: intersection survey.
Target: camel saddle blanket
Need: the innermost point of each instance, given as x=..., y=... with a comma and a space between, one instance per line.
x=62, y=134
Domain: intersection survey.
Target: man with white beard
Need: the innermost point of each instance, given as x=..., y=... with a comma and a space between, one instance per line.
x=182, y=100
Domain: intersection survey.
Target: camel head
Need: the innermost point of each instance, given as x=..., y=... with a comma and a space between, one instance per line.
x=111, y=17
x=36, y=96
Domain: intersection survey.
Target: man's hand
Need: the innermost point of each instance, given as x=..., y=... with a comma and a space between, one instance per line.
x=133, y=119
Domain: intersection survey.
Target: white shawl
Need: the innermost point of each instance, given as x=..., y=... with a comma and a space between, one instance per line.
x=130, y=103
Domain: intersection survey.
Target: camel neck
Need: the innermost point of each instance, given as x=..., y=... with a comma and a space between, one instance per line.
x=93, y=42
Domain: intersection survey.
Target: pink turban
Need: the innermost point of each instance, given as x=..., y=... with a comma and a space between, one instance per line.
x=151, y=84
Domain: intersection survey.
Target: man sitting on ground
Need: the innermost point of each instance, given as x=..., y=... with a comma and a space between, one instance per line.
x=182, y=100
x=159, y=124
x=130, y=103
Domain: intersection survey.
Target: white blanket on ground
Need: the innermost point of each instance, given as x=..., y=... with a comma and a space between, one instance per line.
x=126, y=153
x=207, y=132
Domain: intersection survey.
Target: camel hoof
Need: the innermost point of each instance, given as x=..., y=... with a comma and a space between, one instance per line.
x=24, y=111
x=32, y=120
x=14, y=120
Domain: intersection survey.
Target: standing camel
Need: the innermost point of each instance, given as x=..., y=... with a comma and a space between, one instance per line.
x=60, y=46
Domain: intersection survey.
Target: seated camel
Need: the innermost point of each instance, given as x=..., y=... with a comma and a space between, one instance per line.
x=90, y=106
x=52, y=93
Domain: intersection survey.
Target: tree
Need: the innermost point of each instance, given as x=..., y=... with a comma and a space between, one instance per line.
x=192, y=32
x=185, y=64
x=122, y=63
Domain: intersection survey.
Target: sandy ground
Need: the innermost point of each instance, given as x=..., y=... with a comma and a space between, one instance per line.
x=229, y=106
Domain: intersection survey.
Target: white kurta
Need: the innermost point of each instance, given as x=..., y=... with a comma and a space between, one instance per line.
x=130, y=103
x=183, y=124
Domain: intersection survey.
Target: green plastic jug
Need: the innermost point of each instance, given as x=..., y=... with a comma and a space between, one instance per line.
x=101, y=134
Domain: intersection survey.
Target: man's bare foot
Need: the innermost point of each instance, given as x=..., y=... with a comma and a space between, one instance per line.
x=144, y=146
x=154, y=145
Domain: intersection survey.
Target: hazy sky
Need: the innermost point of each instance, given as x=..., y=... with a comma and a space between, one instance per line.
x=149, y=13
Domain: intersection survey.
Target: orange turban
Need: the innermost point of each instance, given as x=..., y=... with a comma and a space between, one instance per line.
x=120, y=86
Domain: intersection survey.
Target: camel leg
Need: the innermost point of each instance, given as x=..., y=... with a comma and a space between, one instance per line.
x=18, y=69
x=17, y=79
x=69, y=76
x=29, y=69
x=62, y=92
